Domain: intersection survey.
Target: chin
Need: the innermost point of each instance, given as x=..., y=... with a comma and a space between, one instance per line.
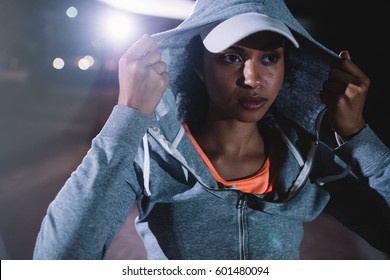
x=251, y=117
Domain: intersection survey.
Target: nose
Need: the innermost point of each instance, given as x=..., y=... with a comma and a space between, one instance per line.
x=252, y=74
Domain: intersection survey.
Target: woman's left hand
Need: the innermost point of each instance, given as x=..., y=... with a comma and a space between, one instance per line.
x=344, y=94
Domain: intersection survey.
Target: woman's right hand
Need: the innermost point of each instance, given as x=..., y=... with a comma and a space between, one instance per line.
x=142, y=76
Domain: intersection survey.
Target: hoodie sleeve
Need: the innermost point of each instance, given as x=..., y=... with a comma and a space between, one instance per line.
x=369, y=157
x=363, y=205
x=93, y=204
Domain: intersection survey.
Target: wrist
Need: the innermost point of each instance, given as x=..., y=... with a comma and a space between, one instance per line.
x=343, y=139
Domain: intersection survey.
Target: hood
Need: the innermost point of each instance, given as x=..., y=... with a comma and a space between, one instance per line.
x=309, y=64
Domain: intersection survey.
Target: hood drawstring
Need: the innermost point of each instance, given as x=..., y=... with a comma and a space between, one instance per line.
x=175, y=143
x=345, y=172
x=146, y=172
x=347, y=169
x=307, y=165
x=146, y=169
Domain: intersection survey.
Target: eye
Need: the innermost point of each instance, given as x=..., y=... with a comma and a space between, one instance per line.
x=232, y=58
x=270, y=58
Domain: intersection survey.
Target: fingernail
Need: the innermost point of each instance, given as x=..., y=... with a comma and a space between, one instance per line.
x=345, y=54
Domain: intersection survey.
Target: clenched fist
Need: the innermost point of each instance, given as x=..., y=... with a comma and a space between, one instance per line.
x=142, y=76
x=344, y=94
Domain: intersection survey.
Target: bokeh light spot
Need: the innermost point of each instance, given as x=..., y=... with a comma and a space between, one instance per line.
x=58, y=63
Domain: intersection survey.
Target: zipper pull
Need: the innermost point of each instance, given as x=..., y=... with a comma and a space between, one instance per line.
x=242, y=201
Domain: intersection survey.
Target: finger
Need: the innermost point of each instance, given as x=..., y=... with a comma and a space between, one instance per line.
x=140, y=47
x=347, y=66
x=345, y=54
x=150, y=58
x=160, y=67
x=334, y=87
x=341, y=76
x=165, y=77
x=350, y=75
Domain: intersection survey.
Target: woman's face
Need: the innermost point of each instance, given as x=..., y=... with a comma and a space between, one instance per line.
x=244, y=80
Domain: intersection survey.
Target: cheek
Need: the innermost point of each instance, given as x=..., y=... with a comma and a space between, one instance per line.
x=216, y=78
x=279, y=81
x=275, y=79
x=217, y=81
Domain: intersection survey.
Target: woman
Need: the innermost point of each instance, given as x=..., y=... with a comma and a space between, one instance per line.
x=222, y=137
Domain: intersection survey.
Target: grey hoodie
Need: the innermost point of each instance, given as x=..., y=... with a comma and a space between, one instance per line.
x=183, y=213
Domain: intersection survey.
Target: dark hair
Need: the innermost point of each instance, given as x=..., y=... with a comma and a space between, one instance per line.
x=193, y=100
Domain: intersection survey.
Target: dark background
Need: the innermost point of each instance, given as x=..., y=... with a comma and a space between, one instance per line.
x=48, y=117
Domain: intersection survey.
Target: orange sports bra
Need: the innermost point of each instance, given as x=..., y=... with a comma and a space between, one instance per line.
x=259, y=183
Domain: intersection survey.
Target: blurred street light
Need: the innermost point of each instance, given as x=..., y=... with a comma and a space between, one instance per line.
x=176, y=9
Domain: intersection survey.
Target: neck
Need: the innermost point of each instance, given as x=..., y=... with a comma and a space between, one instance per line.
x=229, y=137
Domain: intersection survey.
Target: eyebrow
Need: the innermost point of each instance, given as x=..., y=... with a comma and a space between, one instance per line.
x=236, y=48
x=269, y=46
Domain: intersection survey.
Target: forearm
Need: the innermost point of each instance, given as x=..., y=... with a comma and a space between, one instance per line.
x=369, y=158
x=94, y=202
x=364, y=205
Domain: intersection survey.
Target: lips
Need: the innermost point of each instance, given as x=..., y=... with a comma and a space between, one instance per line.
x=252, y=103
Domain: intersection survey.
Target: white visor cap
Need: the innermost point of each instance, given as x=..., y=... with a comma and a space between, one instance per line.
x=218, y=37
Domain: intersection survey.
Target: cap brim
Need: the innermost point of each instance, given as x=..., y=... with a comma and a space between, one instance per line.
x=219, y=37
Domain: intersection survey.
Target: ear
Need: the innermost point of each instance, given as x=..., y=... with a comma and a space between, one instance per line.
x=199, y=74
